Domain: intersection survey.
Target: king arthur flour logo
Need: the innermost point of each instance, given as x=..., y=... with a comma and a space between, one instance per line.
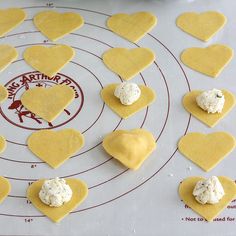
x=15, y=113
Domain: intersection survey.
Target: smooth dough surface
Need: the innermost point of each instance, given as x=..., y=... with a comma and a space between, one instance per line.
x=206, y=150
x=201, y=25
x=3, y=144
x=55, y=147
x=48, y=103
x=128, y=62
x=10, y=18
x=146, y=98
x=3, y=93
x=209, y=61
x=48, y=60
x=131, y=148
x=56, y=214
x=132, y=27
x=190, y=104
x=5, y=188
x=7, y=55
x=208, y=211
x=55, y=25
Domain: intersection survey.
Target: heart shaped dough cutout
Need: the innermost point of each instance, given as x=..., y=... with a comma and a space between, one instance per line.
x=56, y=214
x=48, y=103
x=128, y=62
x=209, y=61
x=131, y=148
x=50, y=60
x=3, y=144
x=10, y=18
x=203, y=25
x=5, y=188
x=147, y=97
x=55, y=147
x=3, y=93
x=132, y=27
x=208, y=211
x=208, y=150
x=190, y=104
x=8, y=54
x=55, y=25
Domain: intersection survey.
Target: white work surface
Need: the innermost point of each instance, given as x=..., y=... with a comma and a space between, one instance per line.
x=120, y=201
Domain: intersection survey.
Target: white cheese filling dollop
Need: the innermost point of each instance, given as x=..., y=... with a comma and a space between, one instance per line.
x=208, y=191
x=128, y=93
x=55, y=192
x=211, y=101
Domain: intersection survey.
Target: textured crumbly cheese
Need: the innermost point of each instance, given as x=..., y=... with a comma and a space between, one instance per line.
x=55, y=192
x=211, y=101
x=128, y=93
x=208, y=191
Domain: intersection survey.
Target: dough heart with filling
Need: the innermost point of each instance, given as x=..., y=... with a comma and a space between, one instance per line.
x=203, y=25
x=208, y=211
x=131, y=148
x=56, y=214
x=132, y=27
x=206, y=150
x=50, y=60
x=48, y=103
x=7, y=55
x=55, y=25
x=209, y=61
x=10, y=18
x=190, y=104
x=124, y=111
x=5, y=188
x=55, y=147
x=128, y=62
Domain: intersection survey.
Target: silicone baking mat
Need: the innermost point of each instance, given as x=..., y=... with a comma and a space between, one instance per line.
x=120, y=201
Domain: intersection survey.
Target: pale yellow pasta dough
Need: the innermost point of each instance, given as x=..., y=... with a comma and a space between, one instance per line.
x=210, y=119
x=206, y=150
x=3, y=93
x=208, y=211
x=55, y=147
x=201, y=25
x=7, y=55
x=10, y=18
x=3, y=144
x=50, y=60
x=56, y=214
x=210, y=61
x=5, y=188
x=132, y=27
x=48, y=103
x=128, y=62
x=55, y=25
x=146, y=98
x=131, y=148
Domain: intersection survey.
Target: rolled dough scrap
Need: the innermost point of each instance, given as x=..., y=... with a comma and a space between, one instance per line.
x=5, y=188
x=55, y=147
x=206, y=150
x=50, y=60
x=208, y=211
x=3, y=144
x=209, y=61
x=132, y=27
x=147, y=97
x=7, y=55
x=55, y=25
x=201, y=25
x=131, y=148
x=56, y=214
x=190, y=104
x=128, y=62
x=10, y=18
x=48, y=103
x=3, y=93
